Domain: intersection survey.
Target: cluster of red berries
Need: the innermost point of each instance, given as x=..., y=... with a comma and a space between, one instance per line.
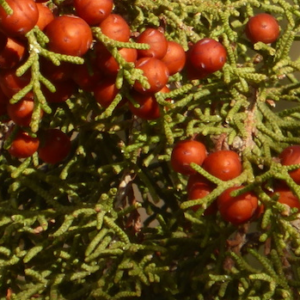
x=226, y=165
x=72, y=35
x=52, y=144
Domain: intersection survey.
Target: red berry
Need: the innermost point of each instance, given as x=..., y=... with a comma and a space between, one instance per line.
x=223, y=164
x=22, y=20
x=21, y=112
x=10, y=83
x=148, y=107
x=262, y=28
x=194, y=179
x=116, y=28
x=105, y=92
x=186, y=152
x=291, y=156
x=86, y=79
x=107, y=63
x=46, y=16
x=286, y=196
x=207, y=55
x=157, y=42
x=12, y=54
x=174, y=58
x=23, y=145
x=237, y=210
x=55, y=146
x=200, y=189
x=93, y=11
x=155, y=71
x=69, y=35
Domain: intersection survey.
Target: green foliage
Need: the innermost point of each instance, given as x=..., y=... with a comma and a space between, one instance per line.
x=113, y=220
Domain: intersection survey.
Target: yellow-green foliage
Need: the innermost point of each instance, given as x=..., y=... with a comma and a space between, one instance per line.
x=113, y=220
